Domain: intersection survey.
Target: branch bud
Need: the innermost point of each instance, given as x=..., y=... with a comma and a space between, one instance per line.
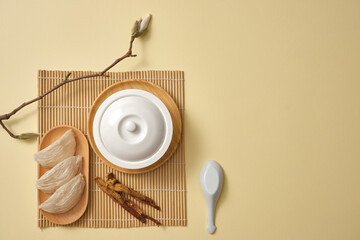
x=25, y=136
x=140, y=26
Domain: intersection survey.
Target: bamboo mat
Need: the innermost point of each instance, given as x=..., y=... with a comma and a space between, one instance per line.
x=70, y=104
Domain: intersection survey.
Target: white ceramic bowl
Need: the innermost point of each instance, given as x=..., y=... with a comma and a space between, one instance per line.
x=132, y=129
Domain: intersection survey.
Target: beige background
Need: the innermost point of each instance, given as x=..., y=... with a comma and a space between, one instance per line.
x=272, y=94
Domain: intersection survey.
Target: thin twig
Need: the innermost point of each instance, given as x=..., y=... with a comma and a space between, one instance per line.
x=7, y=130
x=66, y=80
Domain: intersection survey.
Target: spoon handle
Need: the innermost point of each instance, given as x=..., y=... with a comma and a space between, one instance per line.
x=210, y=205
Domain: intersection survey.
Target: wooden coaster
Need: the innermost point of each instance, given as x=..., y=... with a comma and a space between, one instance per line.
x=158, y=92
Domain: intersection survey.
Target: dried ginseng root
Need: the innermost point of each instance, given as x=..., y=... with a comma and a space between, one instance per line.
x=115, y=185
x=127, y=204
x=131, y=203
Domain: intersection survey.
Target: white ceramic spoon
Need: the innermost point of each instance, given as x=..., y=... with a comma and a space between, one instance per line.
x=211, y=181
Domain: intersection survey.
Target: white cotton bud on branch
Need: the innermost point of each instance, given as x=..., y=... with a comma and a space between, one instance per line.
x=144, y=23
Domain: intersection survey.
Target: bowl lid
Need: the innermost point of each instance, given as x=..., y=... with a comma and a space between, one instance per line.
x=132, y=128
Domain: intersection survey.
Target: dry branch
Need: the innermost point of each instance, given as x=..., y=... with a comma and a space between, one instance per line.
x=139, y=28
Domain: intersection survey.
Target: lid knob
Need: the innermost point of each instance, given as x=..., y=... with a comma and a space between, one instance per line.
x=130, y=126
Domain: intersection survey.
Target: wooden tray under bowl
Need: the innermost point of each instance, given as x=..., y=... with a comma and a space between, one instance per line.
x=82, y=148
x=158, y=92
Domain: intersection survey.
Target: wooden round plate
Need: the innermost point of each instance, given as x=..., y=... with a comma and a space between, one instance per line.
x=158, y=92
x=82, y=148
